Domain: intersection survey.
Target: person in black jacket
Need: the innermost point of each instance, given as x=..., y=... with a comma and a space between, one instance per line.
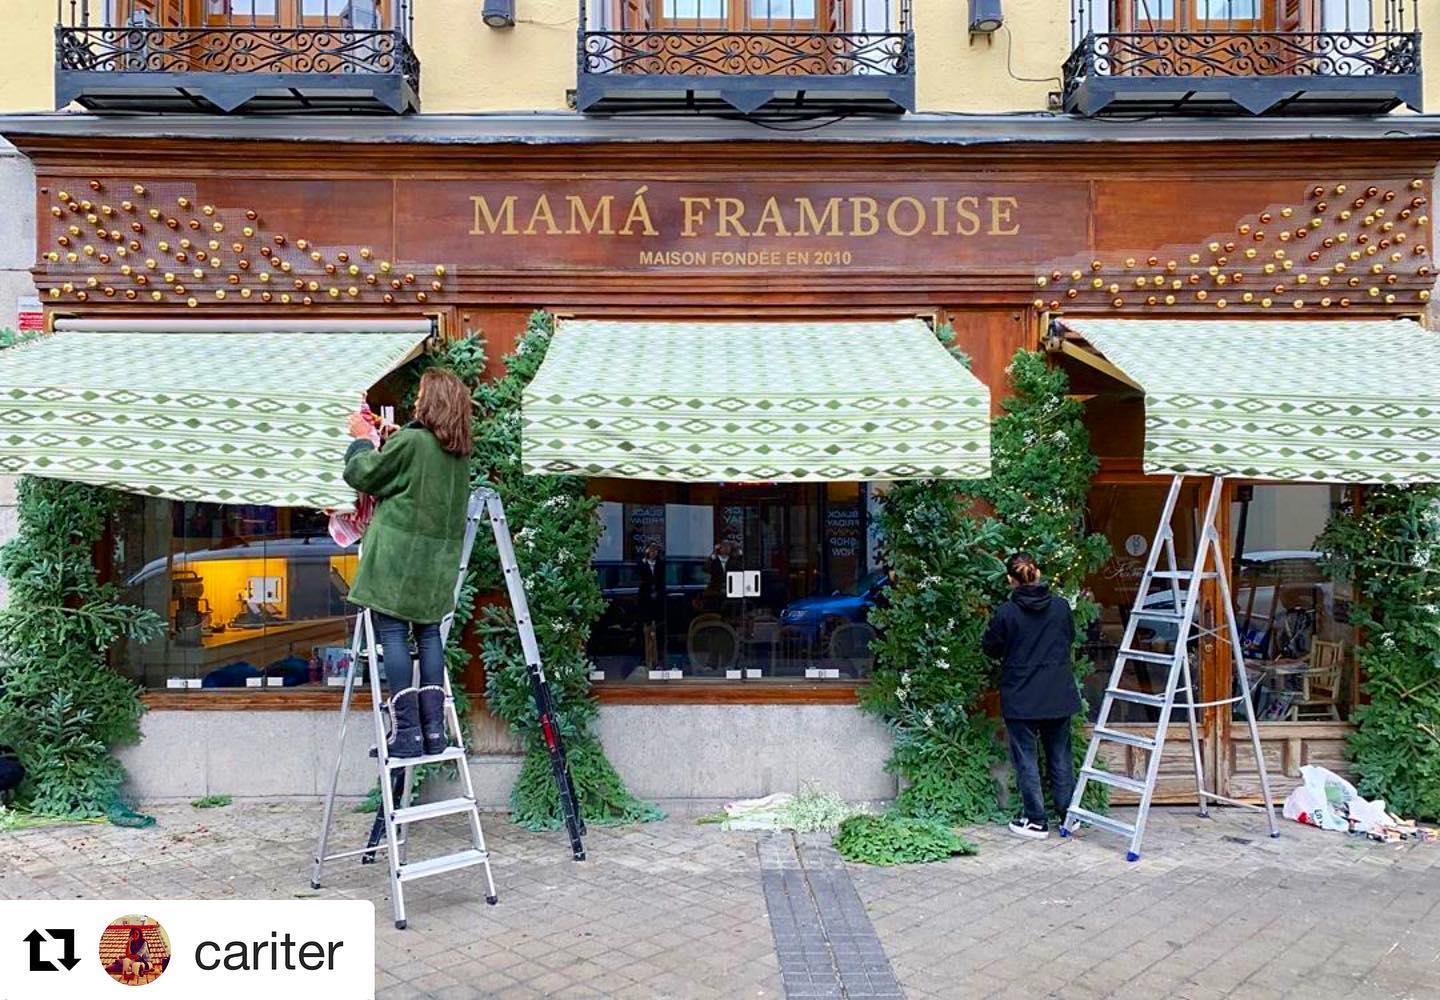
x=1032, y=634
x=651, y=604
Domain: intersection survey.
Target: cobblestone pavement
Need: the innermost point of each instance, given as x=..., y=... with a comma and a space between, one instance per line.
x=676, y=910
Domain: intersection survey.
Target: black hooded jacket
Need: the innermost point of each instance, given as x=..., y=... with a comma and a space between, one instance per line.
x=1032, y=635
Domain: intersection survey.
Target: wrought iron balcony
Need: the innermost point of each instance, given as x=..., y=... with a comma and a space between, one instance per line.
x=746, y=55
x=1239, y=56
x=236, y=55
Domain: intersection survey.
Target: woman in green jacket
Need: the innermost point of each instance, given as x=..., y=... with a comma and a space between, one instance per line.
x=420, y=477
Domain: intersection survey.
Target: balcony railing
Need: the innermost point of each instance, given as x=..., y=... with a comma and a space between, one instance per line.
x=1255, y=56
x=744, y=55
x=228, y=55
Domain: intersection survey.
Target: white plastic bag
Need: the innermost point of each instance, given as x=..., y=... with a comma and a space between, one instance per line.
x=1324, y=800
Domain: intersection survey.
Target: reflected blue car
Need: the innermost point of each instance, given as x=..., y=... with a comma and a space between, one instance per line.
x=814, y=617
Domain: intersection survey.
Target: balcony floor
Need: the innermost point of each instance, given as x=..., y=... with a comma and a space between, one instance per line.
x=886, y=94
x=348, y=93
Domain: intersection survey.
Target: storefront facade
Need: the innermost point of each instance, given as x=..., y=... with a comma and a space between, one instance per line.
x=995, y=229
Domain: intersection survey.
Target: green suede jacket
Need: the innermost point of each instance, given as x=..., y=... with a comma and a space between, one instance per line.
x=411, y=552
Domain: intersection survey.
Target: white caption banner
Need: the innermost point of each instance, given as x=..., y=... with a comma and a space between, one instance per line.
x=216, y=949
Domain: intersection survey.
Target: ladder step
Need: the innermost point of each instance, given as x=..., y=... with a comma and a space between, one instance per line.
x=1138, y=697
x=1114, y=780
x=433, y=810
x=1181, y=574
x=444, y=863
x=1129, y=739
x=1147, y=656
x=449, y=753
x=1103, y=822
x=1159, y=616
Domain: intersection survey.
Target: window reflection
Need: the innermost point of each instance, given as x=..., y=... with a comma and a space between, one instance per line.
x=251, y=596
x=803, y=550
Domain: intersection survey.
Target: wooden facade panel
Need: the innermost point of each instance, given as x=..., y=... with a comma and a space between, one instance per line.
x=990, y=337
x=1285, y=753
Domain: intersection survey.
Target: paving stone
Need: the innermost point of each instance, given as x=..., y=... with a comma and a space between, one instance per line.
x=677, y=910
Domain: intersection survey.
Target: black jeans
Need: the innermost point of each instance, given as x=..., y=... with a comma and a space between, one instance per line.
x=1054, y=734
x=394, y=637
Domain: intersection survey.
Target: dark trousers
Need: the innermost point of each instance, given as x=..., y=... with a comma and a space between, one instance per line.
x=1054, y=735
x=394, y=637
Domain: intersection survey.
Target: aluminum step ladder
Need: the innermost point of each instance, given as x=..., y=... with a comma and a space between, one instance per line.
x=397, y=813
x=1184, y=588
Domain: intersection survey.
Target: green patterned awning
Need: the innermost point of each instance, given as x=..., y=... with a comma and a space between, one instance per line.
x=1329, y=402
x=755, y=401
x=236, y=418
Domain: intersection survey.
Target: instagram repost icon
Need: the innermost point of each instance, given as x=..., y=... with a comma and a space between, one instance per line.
x=134, y=950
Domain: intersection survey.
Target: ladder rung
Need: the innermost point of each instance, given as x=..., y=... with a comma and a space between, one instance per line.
x=1148, y=656
x=1129, y=739
x=1138, y=697
x=1103, y=822
x=449, y=753
x=1114, y=780
x=442, y=864
x=1181, y=574
x=433, y=810
x=1160, y=616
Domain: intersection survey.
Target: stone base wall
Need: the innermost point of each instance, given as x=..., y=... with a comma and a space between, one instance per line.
x=673, y=754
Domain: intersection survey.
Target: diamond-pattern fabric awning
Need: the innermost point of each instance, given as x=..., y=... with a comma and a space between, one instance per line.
x=236, y=418
x=754, y=401
x=1337, y=402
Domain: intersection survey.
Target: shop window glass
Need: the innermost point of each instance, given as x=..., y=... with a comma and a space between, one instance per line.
x=250, y=596
x=1295, y=623
x=804, y=549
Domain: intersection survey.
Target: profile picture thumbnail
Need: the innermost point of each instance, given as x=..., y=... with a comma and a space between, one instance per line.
x=135, y=949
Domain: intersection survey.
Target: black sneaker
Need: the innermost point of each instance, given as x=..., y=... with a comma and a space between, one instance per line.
x=1029, y=829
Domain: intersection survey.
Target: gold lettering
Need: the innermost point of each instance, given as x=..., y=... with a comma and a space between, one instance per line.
x=967, y=222
x=811, y=225
x=770, y=215
x=940, y=205
x=730, y=210
x=868, y=215
x=694, y=214
x=891, y=216
x=639, y=212
x=488, y=221
x=541, y=212
x=1000, y=215
x=580, y=222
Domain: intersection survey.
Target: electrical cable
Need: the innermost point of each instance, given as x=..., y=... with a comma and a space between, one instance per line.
x=1010, y=69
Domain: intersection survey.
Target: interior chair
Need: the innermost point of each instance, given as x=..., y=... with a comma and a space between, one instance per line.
x=712, y=645
x=849, y=649
x=1320, y=684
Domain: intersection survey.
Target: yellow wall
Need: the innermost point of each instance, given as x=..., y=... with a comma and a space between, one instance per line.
x=467, y=67
x=27, y=46
x=954, y=75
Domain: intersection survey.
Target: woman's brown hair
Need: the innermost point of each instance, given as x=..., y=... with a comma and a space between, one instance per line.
x=444, y=407
x=1021, y=568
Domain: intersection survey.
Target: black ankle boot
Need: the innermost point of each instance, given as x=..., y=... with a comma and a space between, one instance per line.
x=432, y=719
x=405, y=739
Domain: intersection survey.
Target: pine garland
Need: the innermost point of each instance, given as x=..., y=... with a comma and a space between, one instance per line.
x=1389, y=551
x=555, y=528
x=1040, y=478
x=930, y=673
x=61, y=705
